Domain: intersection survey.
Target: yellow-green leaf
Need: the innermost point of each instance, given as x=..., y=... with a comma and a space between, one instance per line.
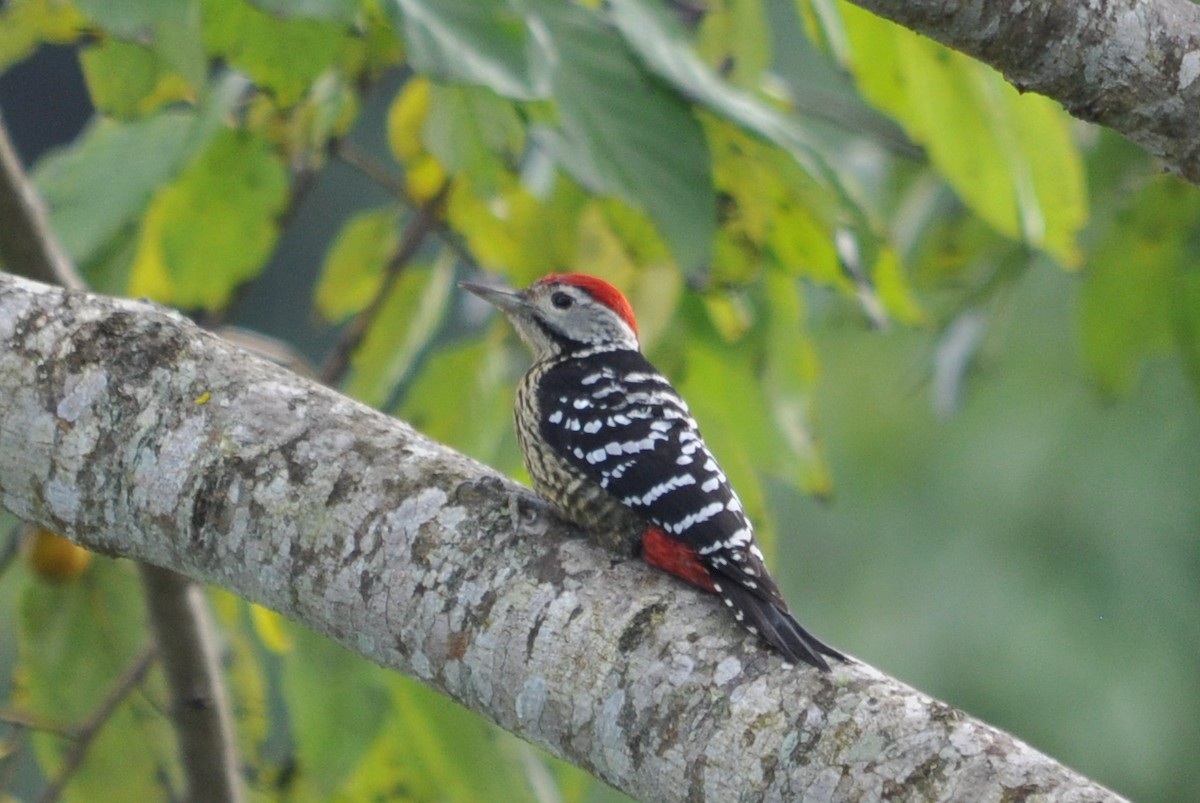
x=212, y=228
x=283, y=56
x=128, y=79
x=354, y=266
x=410, y=317
x=1008, y=156
x=75, y=640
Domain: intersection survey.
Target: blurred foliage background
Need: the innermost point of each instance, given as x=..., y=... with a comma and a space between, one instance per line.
x=943, y=338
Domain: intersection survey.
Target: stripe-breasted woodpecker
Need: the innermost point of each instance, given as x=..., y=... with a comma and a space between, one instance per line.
x=609, y=442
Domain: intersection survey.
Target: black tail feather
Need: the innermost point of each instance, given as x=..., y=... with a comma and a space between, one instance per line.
x=777, y=627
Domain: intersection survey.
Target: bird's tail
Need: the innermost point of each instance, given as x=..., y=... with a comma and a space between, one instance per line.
x=776, y=626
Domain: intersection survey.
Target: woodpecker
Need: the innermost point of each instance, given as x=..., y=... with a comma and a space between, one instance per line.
x=609, y=442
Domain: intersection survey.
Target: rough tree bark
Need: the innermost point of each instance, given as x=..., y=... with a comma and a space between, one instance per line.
x=1131, y=65
x=131, y=430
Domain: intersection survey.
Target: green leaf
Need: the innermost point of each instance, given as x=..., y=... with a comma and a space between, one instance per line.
x=97, y=188
x=484, y=43
x=282, y=56
x=75, y=640
x=127, y=79
x=407, y=322
x=344, y=11
x=1139, y=292
x=464, y=398
x=789, y=379
x=24, y=24
x=101, y=184
x=474, y=132
x=353, y=268
x=517, y=232
x=624, y=133
x=337, y=703
x=172, y=30
x=214, y=227
x=437, y=750
x=666, y=52
x=1008, y=156
x=728, y=401
x=734, y=34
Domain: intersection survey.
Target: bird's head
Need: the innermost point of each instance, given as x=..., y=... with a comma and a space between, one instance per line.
x=564, y=313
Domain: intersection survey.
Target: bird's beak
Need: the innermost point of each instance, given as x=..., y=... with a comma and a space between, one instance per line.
x=505, y=298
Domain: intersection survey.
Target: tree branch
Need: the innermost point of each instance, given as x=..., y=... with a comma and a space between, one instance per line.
x=187, y=643
x=1132, y=65
x=128, y=428
x=26, y=243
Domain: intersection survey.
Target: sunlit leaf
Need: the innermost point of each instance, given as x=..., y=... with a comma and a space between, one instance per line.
x=26, y=23
x=735, y=36
x=127, y=160
x=464, y=397
x=283, y=56
x=728, y=402
x=789, y=379
x=353, y=268
x=227, y=199
x=97, y=188
x=666, y=52
x=438, y=750
x=897, y=297
x=516, y=232
x=406, y=119
x=127, y=79
x=484, y=43
x=1009, y=156
x=271, y=628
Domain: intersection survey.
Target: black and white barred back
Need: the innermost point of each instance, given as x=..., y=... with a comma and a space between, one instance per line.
x=608, y=441
x=623, y=430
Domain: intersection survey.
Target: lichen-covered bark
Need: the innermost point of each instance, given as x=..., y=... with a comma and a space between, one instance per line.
x=132, y=431
x=1131, y=65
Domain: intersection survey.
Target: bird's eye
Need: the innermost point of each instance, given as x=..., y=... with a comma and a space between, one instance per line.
x=562, y=300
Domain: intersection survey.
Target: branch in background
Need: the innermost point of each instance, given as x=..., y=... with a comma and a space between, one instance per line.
x=183, y=626
x=1132, y=66
x=28, y=246
x=405, y=552
x=86, y=732
x=424, y=222
x=372, y=169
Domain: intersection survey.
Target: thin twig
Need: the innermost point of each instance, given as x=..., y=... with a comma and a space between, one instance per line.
x=129, y=679
x=424, y=222
x=370, y=167
x=373, y=169
x=28, y=721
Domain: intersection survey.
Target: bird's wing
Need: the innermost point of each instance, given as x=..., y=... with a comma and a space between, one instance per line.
x=619, y=421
